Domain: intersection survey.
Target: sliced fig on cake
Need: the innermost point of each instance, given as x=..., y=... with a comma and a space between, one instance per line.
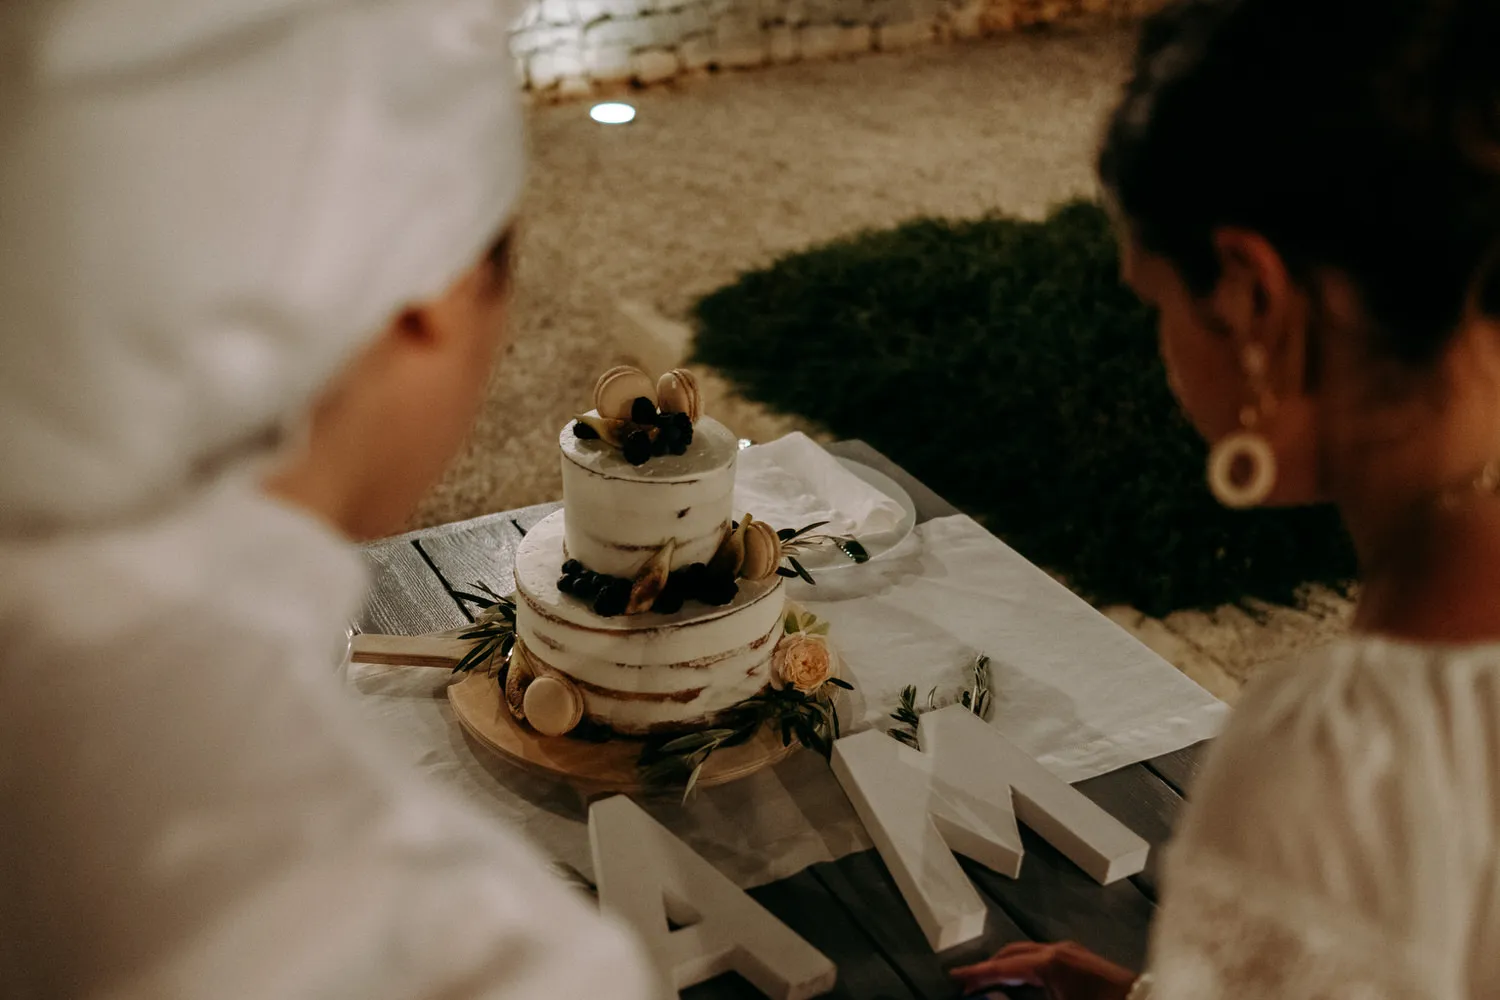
x=611, y=432
x=651, y=580
x=726, y=562
x=518, y=677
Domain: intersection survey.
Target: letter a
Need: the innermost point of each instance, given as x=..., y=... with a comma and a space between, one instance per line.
x=646, y=875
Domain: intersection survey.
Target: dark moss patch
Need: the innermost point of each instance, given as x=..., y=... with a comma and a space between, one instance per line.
x=1003, y=363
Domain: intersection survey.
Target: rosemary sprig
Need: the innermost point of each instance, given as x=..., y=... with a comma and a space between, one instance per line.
x=976, y=698
x=810, y=719
x=906, y=714
x=665, y=764
x=493, y=634
x=792, y=534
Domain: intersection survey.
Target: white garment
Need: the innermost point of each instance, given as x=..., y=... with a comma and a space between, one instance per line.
x=206, y=206
x=192, y=808
x=1342, y=842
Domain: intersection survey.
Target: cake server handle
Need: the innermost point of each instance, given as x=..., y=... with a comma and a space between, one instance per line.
x=435, y=649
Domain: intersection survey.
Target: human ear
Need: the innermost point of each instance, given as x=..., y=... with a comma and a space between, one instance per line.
x=1258, y=303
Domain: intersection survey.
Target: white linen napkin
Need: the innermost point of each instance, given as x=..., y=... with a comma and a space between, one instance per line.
x=1070, y=686
x=792, y=481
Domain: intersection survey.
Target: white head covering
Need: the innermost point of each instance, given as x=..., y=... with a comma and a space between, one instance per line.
x=206, y=206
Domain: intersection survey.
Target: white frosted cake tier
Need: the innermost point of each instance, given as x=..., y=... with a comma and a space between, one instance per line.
x=645, y=673
x=619, y=514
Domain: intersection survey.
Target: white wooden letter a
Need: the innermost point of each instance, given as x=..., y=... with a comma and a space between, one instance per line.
x=964, y=792
x=646, y=875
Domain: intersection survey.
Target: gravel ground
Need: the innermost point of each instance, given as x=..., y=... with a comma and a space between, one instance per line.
x=727, y=172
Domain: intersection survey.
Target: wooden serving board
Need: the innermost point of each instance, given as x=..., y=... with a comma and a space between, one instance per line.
x=590, y=767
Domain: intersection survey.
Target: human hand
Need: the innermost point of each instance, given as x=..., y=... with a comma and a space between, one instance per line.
x=1067, y=971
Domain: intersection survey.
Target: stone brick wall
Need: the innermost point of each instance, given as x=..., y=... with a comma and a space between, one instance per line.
x=568, y=48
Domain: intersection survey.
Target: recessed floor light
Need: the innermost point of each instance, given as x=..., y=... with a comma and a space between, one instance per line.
x=612, y=113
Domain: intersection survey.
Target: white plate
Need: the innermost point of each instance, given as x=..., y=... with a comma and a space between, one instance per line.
x=828, y=557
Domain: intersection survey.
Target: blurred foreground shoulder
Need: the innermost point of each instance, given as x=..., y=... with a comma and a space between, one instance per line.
x=1336, y=839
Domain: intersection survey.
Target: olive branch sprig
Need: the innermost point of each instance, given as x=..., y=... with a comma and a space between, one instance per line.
x=795, y=540
x=976, y=698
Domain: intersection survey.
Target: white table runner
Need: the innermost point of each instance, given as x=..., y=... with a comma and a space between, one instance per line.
x=1070, y=686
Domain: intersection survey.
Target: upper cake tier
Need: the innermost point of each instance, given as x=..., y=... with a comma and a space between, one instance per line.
x=618, y=514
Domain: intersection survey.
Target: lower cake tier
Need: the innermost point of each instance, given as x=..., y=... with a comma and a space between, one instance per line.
x=647, y=673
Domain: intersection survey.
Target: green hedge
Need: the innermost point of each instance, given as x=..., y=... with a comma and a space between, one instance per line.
x=1003, y=364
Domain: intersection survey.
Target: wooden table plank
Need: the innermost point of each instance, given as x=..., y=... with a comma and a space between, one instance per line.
x=1180, y=768
x=805, y=905
x=1139, y=798
x=863, y=884
x=726, y=987
x=1054, y=900
x=406, y=597
x=485, y=553
x=1134, y=795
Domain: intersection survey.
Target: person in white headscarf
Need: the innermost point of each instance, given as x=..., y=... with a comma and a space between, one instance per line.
x=209, y=215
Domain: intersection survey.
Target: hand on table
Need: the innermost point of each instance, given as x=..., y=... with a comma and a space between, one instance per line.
x=1067, y=971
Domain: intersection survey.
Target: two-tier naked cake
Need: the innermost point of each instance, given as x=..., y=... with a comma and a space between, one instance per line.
x=644, y=604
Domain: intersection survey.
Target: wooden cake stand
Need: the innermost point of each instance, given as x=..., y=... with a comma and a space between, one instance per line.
x=588, y=766
x=609, y=766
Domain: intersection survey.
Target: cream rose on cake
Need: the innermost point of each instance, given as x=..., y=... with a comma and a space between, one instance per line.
x=804, y=659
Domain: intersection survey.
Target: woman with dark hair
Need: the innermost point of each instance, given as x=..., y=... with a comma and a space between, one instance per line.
x=1308, y=191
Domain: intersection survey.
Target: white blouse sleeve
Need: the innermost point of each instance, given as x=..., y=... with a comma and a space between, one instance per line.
x=1332, y=848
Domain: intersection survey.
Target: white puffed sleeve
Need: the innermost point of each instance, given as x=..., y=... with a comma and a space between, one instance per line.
x=1339, y=844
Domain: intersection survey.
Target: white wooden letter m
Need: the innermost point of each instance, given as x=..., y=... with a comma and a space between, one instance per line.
x=963, y=791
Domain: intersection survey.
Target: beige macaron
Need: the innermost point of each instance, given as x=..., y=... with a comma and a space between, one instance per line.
x=617, y=390
x=553, y=706
x=762, y=551
x=677, y=392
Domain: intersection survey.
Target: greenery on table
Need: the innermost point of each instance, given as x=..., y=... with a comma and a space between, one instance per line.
x=492, y=634
x=976, y=697
x=811, y=719
x=1003, y=364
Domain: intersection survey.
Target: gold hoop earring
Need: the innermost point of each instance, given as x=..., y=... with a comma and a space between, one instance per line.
x=1242, y=450
x=1246, y=449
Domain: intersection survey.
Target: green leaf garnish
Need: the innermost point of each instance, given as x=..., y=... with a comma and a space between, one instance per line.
x=976, y=698
x=802, y=572
x=801, y=531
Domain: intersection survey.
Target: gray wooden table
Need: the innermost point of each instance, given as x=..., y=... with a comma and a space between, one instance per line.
x=850, y=908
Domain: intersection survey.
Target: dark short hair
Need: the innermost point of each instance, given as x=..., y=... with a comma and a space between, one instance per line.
x=1358, y=135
